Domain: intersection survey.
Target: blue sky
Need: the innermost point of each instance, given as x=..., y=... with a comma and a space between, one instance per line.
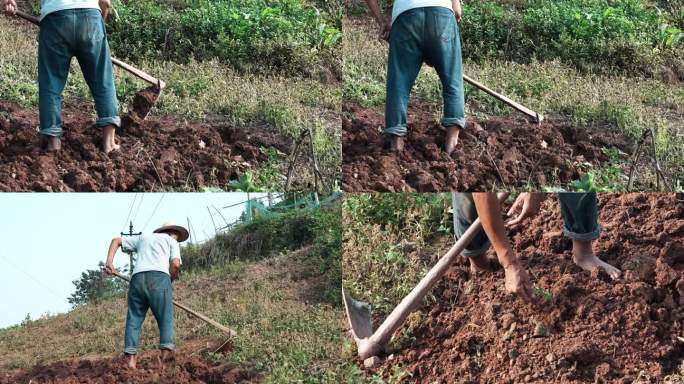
x=47, y=240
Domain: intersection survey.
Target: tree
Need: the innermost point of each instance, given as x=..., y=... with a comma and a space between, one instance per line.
x=95, y=286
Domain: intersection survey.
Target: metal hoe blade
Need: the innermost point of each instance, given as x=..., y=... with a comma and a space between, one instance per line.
x=359, y=316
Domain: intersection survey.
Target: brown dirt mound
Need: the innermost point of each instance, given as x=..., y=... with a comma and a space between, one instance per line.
x=160, y=153
x=114, y=371
x=504, y=153
x=591, y=330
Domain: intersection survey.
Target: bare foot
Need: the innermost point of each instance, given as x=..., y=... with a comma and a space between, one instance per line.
x=480, y=263
x=396, y=143
x=108, y=139
x=451, y=139
x=583, y=256
x=132, y=360
x=54, y=144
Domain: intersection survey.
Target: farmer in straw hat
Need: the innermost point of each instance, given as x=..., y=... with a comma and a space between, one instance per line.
x=158, y=263
x=580, y=218
x=73, y=28
x=422, y=31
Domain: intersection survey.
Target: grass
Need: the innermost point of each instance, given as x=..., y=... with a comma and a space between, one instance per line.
x=619, y=102
x=208, y=90
x=285, y=331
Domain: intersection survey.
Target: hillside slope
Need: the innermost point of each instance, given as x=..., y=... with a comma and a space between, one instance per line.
x=284, y=331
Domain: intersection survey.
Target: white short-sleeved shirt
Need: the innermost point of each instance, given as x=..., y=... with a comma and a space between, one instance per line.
x=154, y=251
x=49, y=6
x=401, y=6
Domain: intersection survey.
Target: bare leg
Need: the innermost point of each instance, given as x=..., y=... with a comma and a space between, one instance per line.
x=584, y=257
x=396, y=143
x=451, y=139
x=108, y=139
x=54, y=144
x=132, y=360
x=480, y=263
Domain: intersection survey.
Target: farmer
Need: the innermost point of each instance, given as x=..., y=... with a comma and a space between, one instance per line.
x=73, y=28
x=580, y=217
x=157, y=264
x=422, y=31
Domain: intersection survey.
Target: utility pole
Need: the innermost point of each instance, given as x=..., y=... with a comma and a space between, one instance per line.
x=129, y=252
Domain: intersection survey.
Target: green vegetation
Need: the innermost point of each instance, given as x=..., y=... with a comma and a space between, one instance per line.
x=257, y=35
x=281, y=295
x=94, y=287
x=273, y=65
x=591, y=90
x=608, y=36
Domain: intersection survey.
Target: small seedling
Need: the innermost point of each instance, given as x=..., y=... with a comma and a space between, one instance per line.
x=542, y=293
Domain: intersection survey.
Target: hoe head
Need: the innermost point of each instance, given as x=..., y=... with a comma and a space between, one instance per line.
x=143, y=102
x=359, y=316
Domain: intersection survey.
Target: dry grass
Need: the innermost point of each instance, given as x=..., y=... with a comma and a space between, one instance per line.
x=199, y=91
x=283, y=330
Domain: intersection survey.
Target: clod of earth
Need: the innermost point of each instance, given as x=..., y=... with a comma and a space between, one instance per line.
x=179, y=370
x=595, y=329
x=502, y=152
x=157, y=153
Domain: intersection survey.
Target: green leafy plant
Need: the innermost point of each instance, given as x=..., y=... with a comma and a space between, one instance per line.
x=245, y=183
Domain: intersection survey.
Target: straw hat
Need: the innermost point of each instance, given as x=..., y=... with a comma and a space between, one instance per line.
x=182, y=232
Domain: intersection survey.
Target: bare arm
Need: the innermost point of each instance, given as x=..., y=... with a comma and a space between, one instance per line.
x=174, y=269
x=489, y=211
x=113, y=247
x=375, y=10
x=104, y=8
x=456, y=6
x=382, y=21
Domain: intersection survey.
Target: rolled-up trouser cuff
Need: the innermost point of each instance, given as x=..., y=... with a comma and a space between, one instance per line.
x=105, y=121
x=131, y=351
x=396, y=131
x=52, y=131
x=451, y=121
x=582, y=236
x=168, y=347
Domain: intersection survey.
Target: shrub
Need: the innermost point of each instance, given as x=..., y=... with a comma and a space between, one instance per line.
x=283, y=35
x=590, y=34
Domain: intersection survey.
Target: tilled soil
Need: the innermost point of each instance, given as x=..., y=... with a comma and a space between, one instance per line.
x=588, y=329
x=492, y=153
x=105, y=371
x=159, y=153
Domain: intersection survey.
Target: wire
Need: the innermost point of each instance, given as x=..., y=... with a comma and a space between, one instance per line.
x=154, y=211
x=135, y=196
x=256, y=198
x=142, y=196
x=52, y=291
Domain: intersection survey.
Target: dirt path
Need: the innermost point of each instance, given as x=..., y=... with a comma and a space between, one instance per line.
x=504, y=153
x=591, y=330
x=161, y=154
x=112, y=370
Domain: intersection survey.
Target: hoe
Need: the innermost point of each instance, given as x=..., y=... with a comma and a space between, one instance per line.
x=371, y=343
x=144, y=100
x=231, y=333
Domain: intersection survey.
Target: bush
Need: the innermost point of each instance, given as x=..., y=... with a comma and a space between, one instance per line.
x=600, y=35
x=283, y=35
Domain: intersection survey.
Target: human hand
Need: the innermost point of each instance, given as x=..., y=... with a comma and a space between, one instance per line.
x=384, y=31
x=518, y=281
x=9, y=7
x=109, y=268
x=104, y=8
x=528, y=203
x=458, y=12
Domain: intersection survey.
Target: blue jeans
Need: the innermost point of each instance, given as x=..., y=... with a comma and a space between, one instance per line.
x=424, y=35
x=151, y=290
x=579, y=211
x=76, y=33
